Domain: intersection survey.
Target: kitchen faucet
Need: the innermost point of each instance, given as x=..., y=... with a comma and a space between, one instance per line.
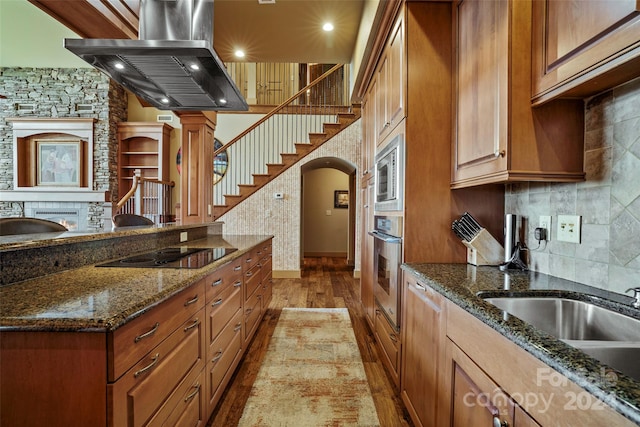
x=636, y=296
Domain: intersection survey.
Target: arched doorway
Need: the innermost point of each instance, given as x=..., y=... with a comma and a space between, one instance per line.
x=327, y=208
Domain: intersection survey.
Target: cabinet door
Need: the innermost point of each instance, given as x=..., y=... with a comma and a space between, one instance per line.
x=367, y=275
x=576, y=41
x=396, y=78
x=422, y=345
x=481, y=29
x=475, y=399
x=369, y=133
x=382, y=85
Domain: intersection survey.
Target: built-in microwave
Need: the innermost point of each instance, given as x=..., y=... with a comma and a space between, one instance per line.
x=390, y=176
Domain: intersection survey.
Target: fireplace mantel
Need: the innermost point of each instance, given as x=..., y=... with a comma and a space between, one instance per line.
x=53, y=195
x=29, y=133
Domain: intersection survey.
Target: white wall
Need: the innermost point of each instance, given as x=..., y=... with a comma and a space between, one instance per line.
x=325, y=227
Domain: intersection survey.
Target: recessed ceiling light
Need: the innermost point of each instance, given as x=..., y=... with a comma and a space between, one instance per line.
x=239, y=53
x=328, y=26
x=194, y=67
x=165, y=100
x=223, y=101
x=119, y=66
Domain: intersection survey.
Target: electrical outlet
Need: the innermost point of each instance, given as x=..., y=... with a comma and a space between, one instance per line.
x=569, y=228
x=545, y=222
x=184, y=236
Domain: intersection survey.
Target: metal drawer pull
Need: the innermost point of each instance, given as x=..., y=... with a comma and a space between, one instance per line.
x=197, y=389
x=217, y=356
x=238, y=327
x=195, y=323
x=237, y=284
x=249, y=260
x=393, y=337
x=499, y=153
x=149, y=366
x=238, y=268
x=217, y=302
x=420, y=287
x=191, y=301
x=217, y=282
x=146, y=334
x=248, y=310
x=249, y=274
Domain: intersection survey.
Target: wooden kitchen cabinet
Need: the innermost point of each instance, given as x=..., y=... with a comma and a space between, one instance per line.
x=499, y=137
x=367, y=275
x=389, y=342
x=581, y=48
x=145, y=391
x=477, y=400
x=423, y=345
x=369, y=133
x=266, y=269
x=481, y=360
x=391, y=84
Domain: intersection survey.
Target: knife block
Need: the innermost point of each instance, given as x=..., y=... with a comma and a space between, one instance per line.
x=484, y=249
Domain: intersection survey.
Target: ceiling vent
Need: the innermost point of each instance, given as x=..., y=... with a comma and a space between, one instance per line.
x=173, y=65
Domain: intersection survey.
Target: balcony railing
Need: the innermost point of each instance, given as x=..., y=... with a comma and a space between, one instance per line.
x=149, y=198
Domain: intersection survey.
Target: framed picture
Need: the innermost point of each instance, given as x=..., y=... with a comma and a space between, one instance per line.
x=341, y=199
x=58, y=163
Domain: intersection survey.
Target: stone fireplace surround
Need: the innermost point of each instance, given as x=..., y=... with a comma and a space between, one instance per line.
x=77, y=102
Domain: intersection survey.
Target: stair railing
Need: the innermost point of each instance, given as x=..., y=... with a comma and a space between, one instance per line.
x=279, y=131
x=147, y=197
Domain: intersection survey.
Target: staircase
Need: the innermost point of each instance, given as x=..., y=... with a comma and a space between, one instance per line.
x=311, y=117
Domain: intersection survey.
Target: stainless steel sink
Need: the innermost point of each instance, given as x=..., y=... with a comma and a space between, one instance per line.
x=569, y=319
x=623, y=356
x=608, y=336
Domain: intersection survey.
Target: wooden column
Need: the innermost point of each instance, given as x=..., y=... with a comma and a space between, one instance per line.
x=196, y=190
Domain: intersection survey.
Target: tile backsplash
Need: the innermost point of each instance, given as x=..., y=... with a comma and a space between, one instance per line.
x=608, y=256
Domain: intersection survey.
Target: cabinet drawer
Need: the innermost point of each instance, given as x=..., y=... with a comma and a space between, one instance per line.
x=221, y=310
x=251, y=281
x=252, y=258
x=252, y=311
x=128, y=344
x=266, y=266
x=186, y=405
x=389, y=340
x=144, y=388
x=221, y=356
x=222, y=278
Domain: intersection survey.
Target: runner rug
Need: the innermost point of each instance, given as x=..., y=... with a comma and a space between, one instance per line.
x=312, y=374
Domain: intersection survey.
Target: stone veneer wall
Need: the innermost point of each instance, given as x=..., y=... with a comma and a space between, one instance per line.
x=56, y=92
x=262, y=214
x=608, y=256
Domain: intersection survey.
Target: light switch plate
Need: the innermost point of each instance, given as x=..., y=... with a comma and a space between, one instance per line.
x=569, y=228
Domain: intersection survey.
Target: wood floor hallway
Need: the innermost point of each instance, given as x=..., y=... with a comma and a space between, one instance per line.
x=325, y=283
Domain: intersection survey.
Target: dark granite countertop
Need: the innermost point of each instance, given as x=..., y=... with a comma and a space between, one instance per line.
x=461, y=283
x=29, y=241
x=102, y=299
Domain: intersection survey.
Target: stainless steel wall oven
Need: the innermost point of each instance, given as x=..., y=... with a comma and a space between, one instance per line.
x=387, y=249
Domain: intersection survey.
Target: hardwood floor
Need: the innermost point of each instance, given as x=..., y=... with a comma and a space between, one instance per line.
x=325, y=282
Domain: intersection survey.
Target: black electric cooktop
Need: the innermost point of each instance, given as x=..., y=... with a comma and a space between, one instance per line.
x=178, y=257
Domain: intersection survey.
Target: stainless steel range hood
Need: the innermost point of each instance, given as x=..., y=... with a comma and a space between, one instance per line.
x=173, y=65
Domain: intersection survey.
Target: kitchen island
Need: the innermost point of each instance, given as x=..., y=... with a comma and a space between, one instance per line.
x=88, y=345
x=522, y=362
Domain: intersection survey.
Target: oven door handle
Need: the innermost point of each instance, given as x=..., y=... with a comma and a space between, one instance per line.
x=385, y=238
